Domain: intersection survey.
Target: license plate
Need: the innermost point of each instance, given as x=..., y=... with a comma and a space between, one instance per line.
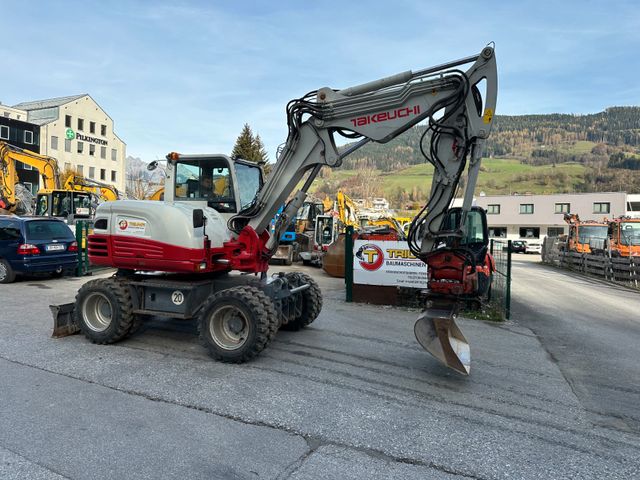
x=55, y=247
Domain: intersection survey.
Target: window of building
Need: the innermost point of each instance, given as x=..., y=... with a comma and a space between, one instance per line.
x=24, y=166
x=555, y=231
x=80, y=169
x=67, y=121
x=80, y=147
x=103, y=174
x=67, y=145
x=114, y=154
x=28, y=137
x=67, y=166
x=113, y=175
x=529, y=232
x=4, y=132
x=493, y=209
x=92, y=172
x=498, y=232
x=103, y=130
x=526, y=208
x=103, y=152
x=92, y=127
x=81, y=124
x=28, y=185
x=6, y=114
x=563, y=207
x=54, y=142
x=601, y=207
x=92, y=149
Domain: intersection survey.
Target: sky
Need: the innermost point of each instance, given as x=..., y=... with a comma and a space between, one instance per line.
x=186, y=76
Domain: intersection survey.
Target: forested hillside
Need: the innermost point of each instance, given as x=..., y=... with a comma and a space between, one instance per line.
x=597, y=152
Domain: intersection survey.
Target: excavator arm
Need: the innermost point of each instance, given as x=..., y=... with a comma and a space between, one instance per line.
x=103, y=191
x=459, y=119
x=9, y=154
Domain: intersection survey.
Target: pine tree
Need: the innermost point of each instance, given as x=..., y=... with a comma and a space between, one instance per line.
x=249, y=147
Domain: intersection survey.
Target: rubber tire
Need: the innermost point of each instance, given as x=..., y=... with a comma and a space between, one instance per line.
x=138, y=320
x=10, y=276
x=311, y=301
x=260, y=313
x=121, y=305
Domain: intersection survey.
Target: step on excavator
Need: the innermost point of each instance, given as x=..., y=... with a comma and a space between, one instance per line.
x=181, y=257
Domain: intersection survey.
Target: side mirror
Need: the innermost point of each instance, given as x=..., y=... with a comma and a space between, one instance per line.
x=198, y=218
x=152, y=166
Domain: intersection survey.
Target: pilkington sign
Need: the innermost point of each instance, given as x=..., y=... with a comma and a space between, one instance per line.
x=84, y=138
x=70, y=134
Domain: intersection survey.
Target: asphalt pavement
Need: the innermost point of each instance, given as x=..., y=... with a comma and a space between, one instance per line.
x=591, y=329
x=352, y=396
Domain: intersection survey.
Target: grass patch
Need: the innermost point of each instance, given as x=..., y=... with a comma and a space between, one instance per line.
x=489, y=312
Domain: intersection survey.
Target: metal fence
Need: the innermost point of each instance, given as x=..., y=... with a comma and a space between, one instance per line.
x=501, y=285
x=624, y=270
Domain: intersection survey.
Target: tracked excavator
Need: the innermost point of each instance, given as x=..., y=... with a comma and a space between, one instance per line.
x=184, y=257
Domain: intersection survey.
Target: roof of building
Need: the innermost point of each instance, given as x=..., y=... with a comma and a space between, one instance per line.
x=48, y=103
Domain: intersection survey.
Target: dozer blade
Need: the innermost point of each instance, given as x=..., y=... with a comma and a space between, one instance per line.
x=437, y=332
x=63, y=324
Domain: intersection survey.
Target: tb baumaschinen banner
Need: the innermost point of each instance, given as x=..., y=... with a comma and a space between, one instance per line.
x=379, y=262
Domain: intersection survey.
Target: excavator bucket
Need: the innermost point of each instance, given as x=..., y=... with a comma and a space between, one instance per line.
x=437, y=332
x=63, y=324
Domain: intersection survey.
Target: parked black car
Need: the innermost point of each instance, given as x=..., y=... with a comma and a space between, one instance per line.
x=35, y=245
x=518, y=246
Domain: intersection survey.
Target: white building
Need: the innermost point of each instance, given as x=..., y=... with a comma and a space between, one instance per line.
x=78, y=133
x=9, y=112
x=522, y=217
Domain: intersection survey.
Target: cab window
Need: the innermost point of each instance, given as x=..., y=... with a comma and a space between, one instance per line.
x=43, y=205
x=249, y=183
x=208, y=181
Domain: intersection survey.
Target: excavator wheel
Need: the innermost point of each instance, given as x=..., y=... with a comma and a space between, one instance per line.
x=311, y=301
x=236, y=324
x=103, y=310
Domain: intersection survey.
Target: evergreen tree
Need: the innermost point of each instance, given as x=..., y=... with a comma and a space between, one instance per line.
x=249, y=147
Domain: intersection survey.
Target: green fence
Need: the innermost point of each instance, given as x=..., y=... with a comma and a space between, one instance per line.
x=501, y=285
x=83, y=229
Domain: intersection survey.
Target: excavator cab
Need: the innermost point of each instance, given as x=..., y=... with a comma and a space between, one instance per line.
x=221, y=183
x=66, y=204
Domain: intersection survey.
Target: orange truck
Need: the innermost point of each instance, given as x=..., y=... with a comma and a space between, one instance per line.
x=624, y=237
x=587, y=236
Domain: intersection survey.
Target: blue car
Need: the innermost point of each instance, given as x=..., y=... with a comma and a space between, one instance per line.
x=35, y=245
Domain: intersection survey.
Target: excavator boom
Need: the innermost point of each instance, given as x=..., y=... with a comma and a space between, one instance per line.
x=9, y=154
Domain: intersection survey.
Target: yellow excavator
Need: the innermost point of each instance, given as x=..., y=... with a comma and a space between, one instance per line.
x=9, y=155
x=104, y=191
x=75, y=199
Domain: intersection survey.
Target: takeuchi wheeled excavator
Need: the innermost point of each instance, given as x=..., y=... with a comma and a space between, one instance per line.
x=176, y=258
